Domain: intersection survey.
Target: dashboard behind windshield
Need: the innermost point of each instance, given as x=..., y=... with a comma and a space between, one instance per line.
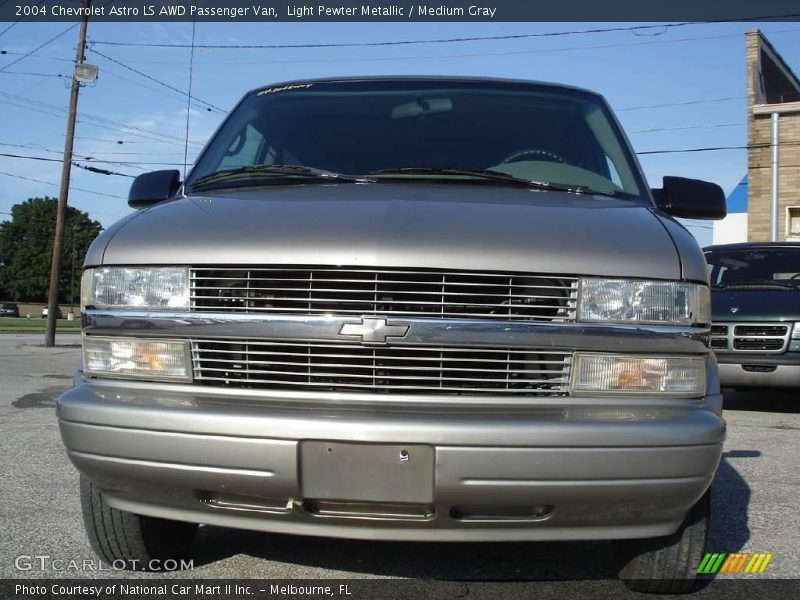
x=727, y=267
x=533, y=132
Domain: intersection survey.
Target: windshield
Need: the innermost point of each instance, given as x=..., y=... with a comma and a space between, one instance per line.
x=780, y=266
x=422, y=129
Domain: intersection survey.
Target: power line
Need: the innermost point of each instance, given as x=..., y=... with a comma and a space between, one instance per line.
x=125, y=142
x=12, y=24
x=687, y=103
x=74, y=164
x=31, y=74
x=451, y=56
x=716, y=148
x=100, y=171
x=39, y=47
x=153, y=89
x=166, y=85
x=87, y=157
x=57, y=58
x=490, y=54
x=685, y=127
x=107, y=123
x=189, y=101
x=57, y=185
x=439, y=40
x=30, y=157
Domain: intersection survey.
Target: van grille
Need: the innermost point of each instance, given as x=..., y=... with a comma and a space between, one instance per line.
x=750, y=337
x=757, y=344
x=760, y=330
x=350, y=367
x=363, y=291
x=719, y=343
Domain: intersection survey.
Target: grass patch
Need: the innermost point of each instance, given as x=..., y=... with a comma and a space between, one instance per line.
x=12, y=325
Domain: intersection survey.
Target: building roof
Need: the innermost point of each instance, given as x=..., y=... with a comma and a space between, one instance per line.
x=775, y=82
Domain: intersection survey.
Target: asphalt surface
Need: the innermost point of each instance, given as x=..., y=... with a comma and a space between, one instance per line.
x=755, y=507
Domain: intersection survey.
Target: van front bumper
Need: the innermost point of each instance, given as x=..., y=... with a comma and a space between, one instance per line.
x=759, y=370
x=558, y=469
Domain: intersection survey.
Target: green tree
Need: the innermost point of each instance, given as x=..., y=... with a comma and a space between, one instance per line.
x=26, y=249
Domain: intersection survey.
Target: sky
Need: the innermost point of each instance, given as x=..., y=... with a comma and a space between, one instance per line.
x=139, y=124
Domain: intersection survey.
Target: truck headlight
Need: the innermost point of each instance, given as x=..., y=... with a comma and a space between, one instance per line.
x=154, y=359
x=620, y=374
x=136, y=287
x=632, y=301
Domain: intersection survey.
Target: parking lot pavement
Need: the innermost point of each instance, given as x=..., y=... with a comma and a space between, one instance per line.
x=754, y=503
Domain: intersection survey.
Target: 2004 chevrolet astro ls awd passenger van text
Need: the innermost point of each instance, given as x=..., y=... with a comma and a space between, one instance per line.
x=403, y=309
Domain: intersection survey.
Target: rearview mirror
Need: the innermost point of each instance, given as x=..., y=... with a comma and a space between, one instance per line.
x=150, y=188
x=691, y=199
x=422, y=107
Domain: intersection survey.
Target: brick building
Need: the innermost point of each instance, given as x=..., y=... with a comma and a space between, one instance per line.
x=772, y=89
x=773, y=106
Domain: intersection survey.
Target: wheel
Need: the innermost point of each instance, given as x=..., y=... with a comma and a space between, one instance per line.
x=130, y=541
x=667, y=565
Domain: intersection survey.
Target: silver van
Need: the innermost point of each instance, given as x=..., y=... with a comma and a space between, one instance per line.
x=407, y=308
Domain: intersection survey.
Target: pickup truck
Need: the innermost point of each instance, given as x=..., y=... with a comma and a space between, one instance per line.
x=403, y=308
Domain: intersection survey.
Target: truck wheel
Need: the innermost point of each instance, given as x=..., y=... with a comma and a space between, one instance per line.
x=129, y=541
x=667, y=565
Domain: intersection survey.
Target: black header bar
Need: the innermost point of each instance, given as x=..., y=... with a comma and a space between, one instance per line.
x=271, y=11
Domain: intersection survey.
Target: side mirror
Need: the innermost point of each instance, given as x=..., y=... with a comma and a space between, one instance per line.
x=150, y=188
x=691, y=199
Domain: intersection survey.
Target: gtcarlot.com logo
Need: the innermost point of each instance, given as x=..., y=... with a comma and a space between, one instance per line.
x=736, y=563
x=45, y=562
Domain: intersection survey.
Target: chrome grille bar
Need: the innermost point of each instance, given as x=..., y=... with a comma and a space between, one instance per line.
x=754, y=338
x=391, y=292
x=309, y=365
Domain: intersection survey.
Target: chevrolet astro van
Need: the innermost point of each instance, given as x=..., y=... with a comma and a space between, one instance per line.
x=403, y=308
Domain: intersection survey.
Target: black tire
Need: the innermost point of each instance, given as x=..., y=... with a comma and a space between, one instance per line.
x=130, y=541
x=667, y=565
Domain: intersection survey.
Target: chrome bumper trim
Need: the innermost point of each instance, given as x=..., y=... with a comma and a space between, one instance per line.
x=470, y=333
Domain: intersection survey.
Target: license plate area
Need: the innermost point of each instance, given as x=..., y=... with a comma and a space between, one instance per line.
x=367, y=472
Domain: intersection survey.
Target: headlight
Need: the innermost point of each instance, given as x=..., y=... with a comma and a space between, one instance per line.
x=159, y=360
x=136, y=287
x=619, y=374
x=663, y=302
x=794, y=343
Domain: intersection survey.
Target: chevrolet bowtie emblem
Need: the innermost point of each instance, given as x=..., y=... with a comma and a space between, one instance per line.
x=374, y=330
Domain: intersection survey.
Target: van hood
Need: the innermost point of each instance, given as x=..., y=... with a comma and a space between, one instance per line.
x=444, y=226
x=755, y=305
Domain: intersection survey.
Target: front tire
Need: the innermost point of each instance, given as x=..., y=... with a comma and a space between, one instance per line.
x=130, y=541
x=668, y=565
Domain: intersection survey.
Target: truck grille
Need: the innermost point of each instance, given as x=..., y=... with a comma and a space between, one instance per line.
x=350, y=367
x=752, y=337
x=363, y=291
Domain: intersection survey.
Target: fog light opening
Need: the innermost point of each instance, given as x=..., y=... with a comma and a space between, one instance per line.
x=494, y=512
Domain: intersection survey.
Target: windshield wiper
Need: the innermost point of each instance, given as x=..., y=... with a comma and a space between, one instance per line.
x=491, y=176
x=298, y=173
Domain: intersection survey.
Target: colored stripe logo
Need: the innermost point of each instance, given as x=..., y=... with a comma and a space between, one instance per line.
x=734, y=563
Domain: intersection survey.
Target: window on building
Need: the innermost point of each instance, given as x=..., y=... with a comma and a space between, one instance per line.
x=793, y=223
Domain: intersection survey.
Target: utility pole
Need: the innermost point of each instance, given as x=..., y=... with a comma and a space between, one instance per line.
x=61, y=211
